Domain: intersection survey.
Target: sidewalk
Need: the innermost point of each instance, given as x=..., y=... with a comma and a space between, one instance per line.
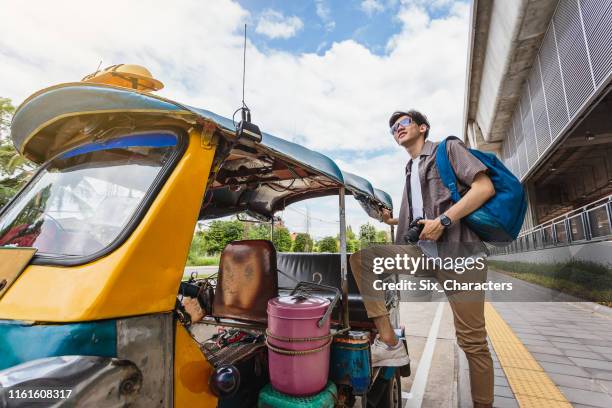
x=572, y=344
x=569, y=344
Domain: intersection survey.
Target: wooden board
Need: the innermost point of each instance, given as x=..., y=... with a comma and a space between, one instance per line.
x=12, y=262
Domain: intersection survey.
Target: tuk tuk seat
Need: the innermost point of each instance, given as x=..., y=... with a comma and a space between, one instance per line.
x=247, y=280
x=321, y=268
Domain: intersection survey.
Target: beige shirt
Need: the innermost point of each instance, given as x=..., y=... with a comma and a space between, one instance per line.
x=436, y=197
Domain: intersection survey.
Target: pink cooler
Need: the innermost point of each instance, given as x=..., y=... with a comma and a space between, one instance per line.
x=298, y=344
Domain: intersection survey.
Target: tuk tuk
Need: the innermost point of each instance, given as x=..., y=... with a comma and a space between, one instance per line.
x=93, y=251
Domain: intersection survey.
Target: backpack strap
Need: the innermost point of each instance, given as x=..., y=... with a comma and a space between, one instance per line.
x=447, y=174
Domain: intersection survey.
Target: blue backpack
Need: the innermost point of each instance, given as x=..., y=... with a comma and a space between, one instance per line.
x=499, y=220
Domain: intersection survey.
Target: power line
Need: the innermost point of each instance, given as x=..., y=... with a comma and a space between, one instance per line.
x=311, y=217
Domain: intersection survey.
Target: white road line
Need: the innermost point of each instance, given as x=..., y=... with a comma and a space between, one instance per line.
x=414, y=398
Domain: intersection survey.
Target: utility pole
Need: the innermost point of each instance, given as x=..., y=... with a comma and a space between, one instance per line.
x=307, y=220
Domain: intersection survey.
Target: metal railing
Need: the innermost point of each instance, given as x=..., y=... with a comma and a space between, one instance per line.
x=590, y=223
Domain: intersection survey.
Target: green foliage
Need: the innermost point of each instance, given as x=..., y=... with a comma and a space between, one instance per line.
x=382, y=237
x=350, y=235
x=282, y=239
x=6, y=113
x=14, y=168
x=221, y=233
x=367, y=234
x=198, y=249
x=352, y=245
x=303, y=243
x=260, y=231
x=328, y=244
x=586, y=280
x=203, y=260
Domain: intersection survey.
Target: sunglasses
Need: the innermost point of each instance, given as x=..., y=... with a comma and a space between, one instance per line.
x=404, y=123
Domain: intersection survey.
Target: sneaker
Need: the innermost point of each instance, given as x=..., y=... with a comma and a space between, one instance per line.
x=389, y=356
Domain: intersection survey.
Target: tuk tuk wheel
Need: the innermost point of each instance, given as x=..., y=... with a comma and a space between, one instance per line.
x=390, y=398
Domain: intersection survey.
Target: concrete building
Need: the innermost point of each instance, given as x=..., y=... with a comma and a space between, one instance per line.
x=538, y=95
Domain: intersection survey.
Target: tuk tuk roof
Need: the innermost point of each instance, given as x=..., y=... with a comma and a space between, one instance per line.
x=45, y=124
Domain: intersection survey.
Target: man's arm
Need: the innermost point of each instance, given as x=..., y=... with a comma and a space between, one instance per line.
x=481, y=190
x=386, y=214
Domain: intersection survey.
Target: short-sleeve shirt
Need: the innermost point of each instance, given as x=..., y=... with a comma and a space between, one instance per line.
x=436, y=197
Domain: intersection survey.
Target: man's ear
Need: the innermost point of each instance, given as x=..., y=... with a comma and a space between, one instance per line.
x=423, y=128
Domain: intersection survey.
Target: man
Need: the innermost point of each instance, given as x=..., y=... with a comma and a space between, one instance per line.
x=426, y=196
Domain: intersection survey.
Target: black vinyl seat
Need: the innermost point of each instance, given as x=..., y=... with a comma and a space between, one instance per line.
x=320, y=268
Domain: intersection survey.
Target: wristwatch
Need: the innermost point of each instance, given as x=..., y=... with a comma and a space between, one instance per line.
x=445, y=221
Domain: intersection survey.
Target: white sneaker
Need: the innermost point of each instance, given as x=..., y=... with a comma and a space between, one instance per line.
x=389, y=356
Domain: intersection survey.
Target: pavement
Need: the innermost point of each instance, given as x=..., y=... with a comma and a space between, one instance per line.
x=565, y=354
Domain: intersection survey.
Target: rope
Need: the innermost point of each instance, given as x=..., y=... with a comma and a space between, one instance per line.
x=297, y=339
x=296, y=353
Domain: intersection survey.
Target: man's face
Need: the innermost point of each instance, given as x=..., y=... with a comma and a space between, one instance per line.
x=406, y=135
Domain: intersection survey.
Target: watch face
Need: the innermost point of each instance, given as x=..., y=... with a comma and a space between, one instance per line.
x=445, y=220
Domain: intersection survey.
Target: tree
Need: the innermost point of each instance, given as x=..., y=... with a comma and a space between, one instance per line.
x=221, y=233
x=260, y=231
x=198, y=248
x=282, y=239
x=367, y=234
x=352, y=245
x=14, y=168
x=350, y=234
x=382, y=237
x=302, y=243
x=6, y=113
x=328, y=244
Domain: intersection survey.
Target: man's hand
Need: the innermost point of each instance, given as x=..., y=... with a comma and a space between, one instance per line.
x=192, y=306
x=386, y=214
x=432, y=231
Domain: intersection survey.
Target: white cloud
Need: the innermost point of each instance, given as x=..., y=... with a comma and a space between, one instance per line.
x=274, y=24
x=338, y=100
x=430, y=4
x=372, y=6
x=321, y=46
x=324, y=13
x=322, y=9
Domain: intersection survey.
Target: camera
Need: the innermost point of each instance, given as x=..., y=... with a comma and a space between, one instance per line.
x=414, y=231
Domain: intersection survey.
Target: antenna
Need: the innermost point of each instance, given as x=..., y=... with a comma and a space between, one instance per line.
x=244, y=66
x=99, y=65
x=245, y=128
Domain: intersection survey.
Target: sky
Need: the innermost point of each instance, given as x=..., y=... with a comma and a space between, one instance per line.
x=325, y=74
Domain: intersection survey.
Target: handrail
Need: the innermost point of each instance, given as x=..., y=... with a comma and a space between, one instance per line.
x=571, y=228
x=569, y=214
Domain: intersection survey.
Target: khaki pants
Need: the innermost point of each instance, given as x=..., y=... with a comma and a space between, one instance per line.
x=467, y=307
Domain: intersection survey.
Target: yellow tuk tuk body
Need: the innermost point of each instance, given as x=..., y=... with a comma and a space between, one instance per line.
x=102, y=307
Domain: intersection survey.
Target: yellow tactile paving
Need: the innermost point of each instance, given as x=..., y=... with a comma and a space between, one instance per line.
x=531, y=385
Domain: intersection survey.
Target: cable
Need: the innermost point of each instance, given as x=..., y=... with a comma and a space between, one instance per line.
x=284, y=189
x=315, y=218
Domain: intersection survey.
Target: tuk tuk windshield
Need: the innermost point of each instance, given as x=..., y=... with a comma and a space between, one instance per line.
x=79, y=202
